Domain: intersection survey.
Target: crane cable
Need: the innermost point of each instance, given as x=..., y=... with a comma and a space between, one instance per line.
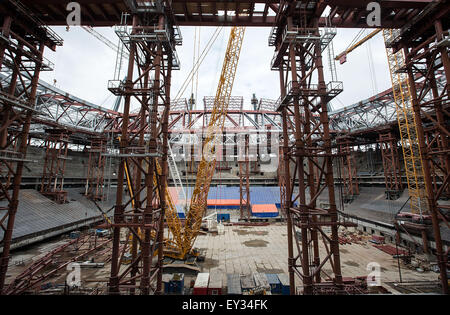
x=194, y=70
x=372, y=69
x=356, y=38
x=193, y=59
x=198, y=54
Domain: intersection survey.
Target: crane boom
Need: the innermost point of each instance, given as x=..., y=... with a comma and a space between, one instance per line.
x=215, y=127
x=342, y=57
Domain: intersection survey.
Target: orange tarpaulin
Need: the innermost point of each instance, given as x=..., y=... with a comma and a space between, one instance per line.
x=270, y=208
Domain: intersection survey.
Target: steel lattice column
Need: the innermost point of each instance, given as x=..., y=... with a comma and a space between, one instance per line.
x=431, y=156
x=391, y=165
x=96, y=169
x=56, y=146
x=22, y=50
x=348, y=168
x=143, y=153
x=281, y=180
x=303, y=105
x=16, y=118
x=244, y=178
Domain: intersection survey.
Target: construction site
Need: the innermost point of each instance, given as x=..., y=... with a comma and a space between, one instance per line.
x=170, y=187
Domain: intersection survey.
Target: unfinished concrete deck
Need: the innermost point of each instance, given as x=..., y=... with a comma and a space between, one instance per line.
x=244, y=250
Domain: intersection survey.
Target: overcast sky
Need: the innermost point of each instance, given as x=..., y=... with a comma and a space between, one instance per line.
x=84, y=65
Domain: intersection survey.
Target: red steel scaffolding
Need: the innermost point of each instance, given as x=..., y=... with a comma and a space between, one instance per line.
x=23, y=39
x=151, y=43
x=52, y=183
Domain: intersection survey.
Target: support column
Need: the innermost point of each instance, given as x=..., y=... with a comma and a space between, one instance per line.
x=391, y=165
x=52, y=183
x=303, y=105
x=427, y=159
x=144, y=152
x=442, y=116
x=14, y=160
x=348, y=170
x=244, y=179
x=96, y=169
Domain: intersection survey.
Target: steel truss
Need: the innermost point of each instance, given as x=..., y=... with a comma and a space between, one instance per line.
x=36, y=273
x=56, y=146
x=377, y=111
x=303, y=105
x=151, y=44
x=348, y=169
x=244, y=179
x=391, y=165
x=21, y=49
x=427, y=57
x=96, y=168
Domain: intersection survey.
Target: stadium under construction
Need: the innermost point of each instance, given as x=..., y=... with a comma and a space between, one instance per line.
x=166, y=192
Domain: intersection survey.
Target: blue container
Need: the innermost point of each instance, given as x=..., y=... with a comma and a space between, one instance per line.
x=166, y=278
x=275, y=285
x=181, y=215
x=284, y=282
x=176, y=284
x=224, y=217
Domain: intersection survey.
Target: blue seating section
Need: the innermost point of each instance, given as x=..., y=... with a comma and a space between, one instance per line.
x=258, y=196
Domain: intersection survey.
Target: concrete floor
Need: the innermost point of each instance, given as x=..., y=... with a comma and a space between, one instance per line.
x=244, y=250
x=240, y=250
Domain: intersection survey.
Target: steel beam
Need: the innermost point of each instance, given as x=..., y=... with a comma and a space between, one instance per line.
x=142, y=218
x=14, y=168
x=391, y=165
x=309, y=153
x=414, y=58
x=244, y=179
x=56, y=147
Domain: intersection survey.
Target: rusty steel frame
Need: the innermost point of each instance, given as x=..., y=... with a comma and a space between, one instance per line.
x=22, y=50
x=281, y=180
x=301, y=100
x=299, y=145
x=56, y=148
x=391, y=165
x=96, y=169
x=244, y=179
x=435, y=153
x=351, y=14
x=38, y=271
x=143, y=215
x=348, y=167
